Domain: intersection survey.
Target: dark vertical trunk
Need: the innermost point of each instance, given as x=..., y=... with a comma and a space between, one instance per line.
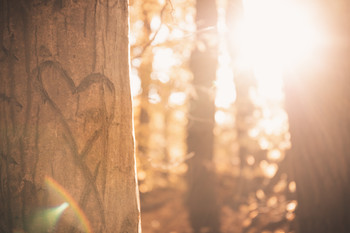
x=66, y=118
x=201, y=201
x=317, y=102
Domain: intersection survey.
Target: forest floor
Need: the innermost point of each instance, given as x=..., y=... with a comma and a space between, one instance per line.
x=164, y=211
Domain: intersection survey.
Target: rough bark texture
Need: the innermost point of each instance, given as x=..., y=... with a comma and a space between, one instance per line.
x=66, y=117
x=201, y=201
x=317, y=101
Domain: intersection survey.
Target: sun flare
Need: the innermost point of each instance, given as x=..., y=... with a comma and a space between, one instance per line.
x=273, y=37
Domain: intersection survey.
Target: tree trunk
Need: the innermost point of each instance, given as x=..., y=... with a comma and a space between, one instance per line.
x=317, y=102
x=202, y=204
x=67, y=161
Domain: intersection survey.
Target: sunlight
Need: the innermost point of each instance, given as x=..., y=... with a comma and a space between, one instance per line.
x=177, y=98
x=292, y=186
x=274, y=37
x=291, y=206
x=269, y=169
x=225, y=86
x=222, y=117
x=274, y=154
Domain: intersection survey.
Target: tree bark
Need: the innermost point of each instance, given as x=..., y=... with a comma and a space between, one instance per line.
x=66, y=118
x=317, y=102
x=201, y=200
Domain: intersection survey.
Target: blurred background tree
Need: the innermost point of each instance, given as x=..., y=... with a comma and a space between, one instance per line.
x=201, y=177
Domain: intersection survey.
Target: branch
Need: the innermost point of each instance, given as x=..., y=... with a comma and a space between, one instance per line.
x=149, y=42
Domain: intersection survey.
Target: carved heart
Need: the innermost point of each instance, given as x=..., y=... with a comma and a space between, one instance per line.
x=85, y=113
x=85, y=109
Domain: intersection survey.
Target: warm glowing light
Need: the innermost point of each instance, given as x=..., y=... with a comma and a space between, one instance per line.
x=290, y=216
x=163, y=59
x=155, y=22
x=222, y=117
x=263, y=143
x=153, y=96
x=177, y=98
x=271, y=170
x=272, y=201
x=260, y=194
x=268, y=169
x=292, y=186
x=291, y=206
x=162, y=35
x=144, y=188
x=274, y=154
x=135, y=82
x=250, y=160
x=274, y=36
x=279, y=231
x=141, y=175
x=254, y=132
x=225, y=87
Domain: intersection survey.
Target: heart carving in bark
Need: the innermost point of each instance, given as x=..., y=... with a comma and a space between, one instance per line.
x=85, y=112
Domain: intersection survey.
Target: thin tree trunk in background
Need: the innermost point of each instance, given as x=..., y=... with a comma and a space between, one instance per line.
x=203, y=209
x=317, y=102
x=145, y=72
x=66, y=117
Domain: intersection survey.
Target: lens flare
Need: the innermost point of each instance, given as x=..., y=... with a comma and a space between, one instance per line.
x=69, y=202
x=46, y=220
x=62, y=207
